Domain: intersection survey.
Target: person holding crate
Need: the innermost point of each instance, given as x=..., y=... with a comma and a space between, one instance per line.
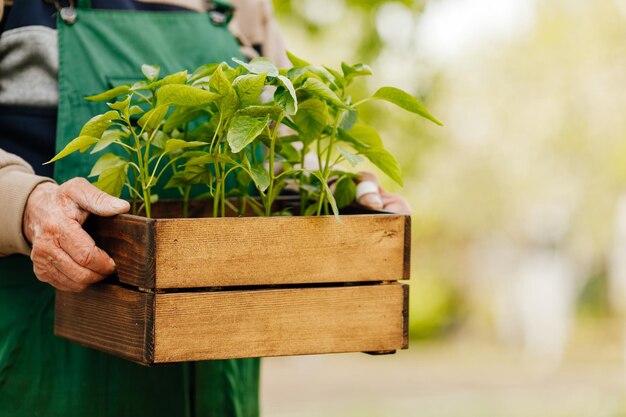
x=53, y=53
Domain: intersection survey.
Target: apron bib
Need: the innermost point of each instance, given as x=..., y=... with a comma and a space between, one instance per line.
x=43, y=375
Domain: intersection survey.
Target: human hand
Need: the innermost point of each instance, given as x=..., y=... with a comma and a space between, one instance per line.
x=63, y=254
x=371, y=195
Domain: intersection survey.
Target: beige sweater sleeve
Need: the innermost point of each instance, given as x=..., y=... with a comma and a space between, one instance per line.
x=17, y=180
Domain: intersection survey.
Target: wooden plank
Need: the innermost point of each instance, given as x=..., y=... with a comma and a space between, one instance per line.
x=298, y=321
x=129, y=240
x=280, y=250
x=109, y=318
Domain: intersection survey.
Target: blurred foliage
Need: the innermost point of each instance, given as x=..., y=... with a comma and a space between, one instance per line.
x=533, y=155
x=434, y=307
x=593, y=301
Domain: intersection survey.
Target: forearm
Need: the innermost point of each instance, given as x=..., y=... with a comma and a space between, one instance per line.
x=17, y=181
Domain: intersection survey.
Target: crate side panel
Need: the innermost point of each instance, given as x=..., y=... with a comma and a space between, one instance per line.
x=108, y=318
x=241, y=324
x=129, y=240
x=279, y=250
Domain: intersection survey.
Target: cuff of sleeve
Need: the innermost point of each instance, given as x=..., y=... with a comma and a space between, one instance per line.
x=15, y=188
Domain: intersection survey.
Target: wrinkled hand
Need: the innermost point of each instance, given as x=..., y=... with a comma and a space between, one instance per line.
x=63, y=254
x=381, y=200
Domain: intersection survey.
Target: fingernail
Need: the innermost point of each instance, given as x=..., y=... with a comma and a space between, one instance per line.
x=372, y=200
x=120, y=205
x=112, y=265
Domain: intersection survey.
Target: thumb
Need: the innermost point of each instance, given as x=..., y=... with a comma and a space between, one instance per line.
x=368, y=191
x=91, y=199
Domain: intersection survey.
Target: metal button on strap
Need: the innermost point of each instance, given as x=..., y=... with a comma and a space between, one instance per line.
x=68, y=14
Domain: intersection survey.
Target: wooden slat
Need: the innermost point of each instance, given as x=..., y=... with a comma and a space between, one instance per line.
x=129, y=240
x=109, y=318
x=280, y=250
x=237, y=324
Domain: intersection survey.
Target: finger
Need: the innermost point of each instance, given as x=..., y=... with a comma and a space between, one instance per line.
x=49, y=275
x=93, y=200
x=396, y=204
x=73, y=271
x=370, y=200
x=82, y=249
x=367, y=191
x=66, y=283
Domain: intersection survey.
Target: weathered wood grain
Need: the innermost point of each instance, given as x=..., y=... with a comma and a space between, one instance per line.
x=295, y=321
x=280, y=250
x=240, y=251
x=109, y=318
x=129, y=240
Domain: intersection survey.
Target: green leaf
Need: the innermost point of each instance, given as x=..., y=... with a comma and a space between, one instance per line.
x=153, y=117
x=297, y=62
x=352, y=159
x=110, y=94
x=290, y=153
x=151, y=72
x=344, y=136
x=259, y=66
x=81, y=143
x=311, y=210
x=184, y=95
x=339, y=80
x=249, y=88
x=106, y=161
x=135, y=110
x=405, y=101
x=362, y=137
x=203, y=71
x=176, y=78
x=386, y=163
x=197, y=174
x=108, y=137
x=121, y=106
x=345, y=191
x=180, y=116
x=318, y=88
x=311, y=118
x=299, y=75
x=140, y=85
x=358, y=70
x=348, y=119
x=112, y=179
x=375, y=151
x=177, y=144
x=289, y=86
x=229, y=101
x=158, y=141
x=260, y=111
x=243, y=130
x=260, y=176
x=285, y=100
x=98, y=124
x=289, y=123
x=219, y=83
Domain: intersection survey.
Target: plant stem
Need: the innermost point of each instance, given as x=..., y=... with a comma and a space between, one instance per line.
x=143, y=177
x=186, y=201
x=270, y=191
x=302, y=178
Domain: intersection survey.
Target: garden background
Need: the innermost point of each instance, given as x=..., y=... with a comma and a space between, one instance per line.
x=518, y=289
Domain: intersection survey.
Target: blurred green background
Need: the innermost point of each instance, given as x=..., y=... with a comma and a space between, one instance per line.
x=518, y=287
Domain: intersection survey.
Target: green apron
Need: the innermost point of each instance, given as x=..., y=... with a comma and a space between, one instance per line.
x=43, y=375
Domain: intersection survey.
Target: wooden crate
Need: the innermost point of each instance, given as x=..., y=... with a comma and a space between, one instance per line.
x=237, y=287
